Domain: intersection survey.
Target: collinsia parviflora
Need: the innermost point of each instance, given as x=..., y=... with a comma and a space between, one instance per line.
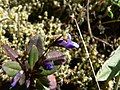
x=66, y=44
x=36, y=70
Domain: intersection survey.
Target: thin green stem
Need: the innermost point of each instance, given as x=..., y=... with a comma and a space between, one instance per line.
x=117, y=82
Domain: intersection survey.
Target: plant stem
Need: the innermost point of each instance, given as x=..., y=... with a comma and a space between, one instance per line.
x=117, y=82
x=38, y=63
x=88, y=20
x=112, y=21
x=87, y=53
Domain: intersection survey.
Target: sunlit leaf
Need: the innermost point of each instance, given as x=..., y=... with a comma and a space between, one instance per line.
x=11, y=68
x=111, y=67
x=10, y=52
x=33, y=56
x=38, y=42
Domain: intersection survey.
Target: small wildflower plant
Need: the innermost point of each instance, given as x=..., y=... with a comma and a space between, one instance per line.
x=37, y=71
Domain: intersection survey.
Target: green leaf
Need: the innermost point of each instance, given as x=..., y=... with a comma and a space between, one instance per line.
x=11, y=68
x=40, y=86
x=38, y=42
x=111, y=67
x=48, y=72
x=33, y=56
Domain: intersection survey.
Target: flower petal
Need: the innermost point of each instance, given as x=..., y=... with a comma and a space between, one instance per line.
x=48, y=65
x=66, y=44
x=69, y=45
x=13, y=84
x=72, y=45
x=60, y=42
x=63, y=43
x=75, y=45
x=69, y=37
x=16, y=78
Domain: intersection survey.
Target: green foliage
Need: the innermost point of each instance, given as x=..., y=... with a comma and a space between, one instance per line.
x=111, y=67
x=11, y=68
x=26, y=18
x=29, y=75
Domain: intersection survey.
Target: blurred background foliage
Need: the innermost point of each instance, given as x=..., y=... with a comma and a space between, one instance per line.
x=22, y=19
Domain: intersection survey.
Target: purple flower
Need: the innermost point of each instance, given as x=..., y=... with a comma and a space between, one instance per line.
x=66, y=44
x=48, y=65
x=17, y=78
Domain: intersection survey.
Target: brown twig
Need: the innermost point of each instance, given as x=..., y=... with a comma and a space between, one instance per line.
x=100, y=40
x=96, y=38
x=90, y=31
x=88, y=21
